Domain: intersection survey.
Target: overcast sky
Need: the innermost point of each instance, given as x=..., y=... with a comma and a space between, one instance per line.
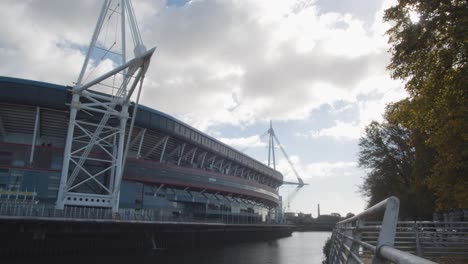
x=316, y=68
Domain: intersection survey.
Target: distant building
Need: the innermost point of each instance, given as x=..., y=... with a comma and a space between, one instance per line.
x=328, y=218
x=289, y=216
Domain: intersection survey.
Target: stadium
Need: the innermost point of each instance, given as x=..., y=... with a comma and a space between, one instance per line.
x=171, y=168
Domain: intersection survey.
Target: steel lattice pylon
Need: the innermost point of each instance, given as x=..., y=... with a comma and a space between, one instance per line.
x=95, y=147
x=271, y=160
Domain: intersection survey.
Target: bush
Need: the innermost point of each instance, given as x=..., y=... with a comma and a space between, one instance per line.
x=326, y=250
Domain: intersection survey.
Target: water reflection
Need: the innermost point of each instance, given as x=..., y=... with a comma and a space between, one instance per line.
x=305, y=247
x=301, y=247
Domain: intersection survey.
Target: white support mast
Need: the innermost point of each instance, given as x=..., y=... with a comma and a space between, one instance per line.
x=95, y=147
x=271, y=147
x=271, y=161
x=271, y=152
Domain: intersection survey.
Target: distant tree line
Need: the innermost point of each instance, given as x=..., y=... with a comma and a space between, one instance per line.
x=305, y=219
x=419, y=153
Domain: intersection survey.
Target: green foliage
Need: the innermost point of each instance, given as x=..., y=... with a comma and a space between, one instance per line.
x=431, y=57
x=326, y=251
x=387, y=152
x=349, y=215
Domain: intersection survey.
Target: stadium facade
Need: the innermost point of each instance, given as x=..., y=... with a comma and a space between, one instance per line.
x=171, y=168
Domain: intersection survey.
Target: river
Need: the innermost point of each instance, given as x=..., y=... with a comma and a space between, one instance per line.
x=300, y=248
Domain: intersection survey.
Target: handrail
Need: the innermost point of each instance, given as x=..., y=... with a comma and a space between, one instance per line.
x=398, y=256
x=30, y=209
x=347, y=244
x=427, y=239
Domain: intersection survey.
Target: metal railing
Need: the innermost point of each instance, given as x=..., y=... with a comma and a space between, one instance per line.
x=31, y=210
x=347, y=244
x=428, y=239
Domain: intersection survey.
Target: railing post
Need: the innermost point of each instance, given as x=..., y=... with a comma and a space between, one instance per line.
x=357, y=235
x=335, y=245
x=339, y=247
x=418, y=242
x=388, y=229
x=349, y=232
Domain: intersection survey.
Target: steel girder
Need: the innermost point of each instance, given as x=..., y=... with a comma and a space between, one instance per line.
x=90, y=179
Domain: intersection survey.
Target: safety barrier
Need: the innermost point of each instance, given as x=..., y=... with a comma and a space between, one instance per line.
x=428, y=239
x=348, y=245
x=24, y=210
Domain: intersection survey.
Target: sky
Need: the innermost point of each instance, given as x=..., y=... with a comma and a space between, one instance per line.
x=316, y=68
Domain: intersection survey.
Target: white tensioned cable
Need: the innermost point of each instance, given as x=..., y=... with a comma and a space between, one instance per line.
x=105, y=23
x=133, y=24
x=92, y=44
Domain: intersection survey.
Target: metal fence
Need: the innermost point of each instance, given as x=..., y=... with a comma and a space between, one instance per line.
x=31, y=210
x=427, y=239
x=349, y=242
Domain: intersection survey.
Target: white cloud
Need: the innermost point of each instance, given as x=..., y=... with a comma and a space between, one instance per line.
x=341, y=130
x=308, y=171
x=332, y=184
x=35, y=38
x=279, y=60
x=331, y=169
x=371, y=98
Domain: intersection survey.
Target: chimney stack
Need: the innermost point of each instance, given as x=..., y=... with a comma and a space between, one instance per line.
x=318, y=210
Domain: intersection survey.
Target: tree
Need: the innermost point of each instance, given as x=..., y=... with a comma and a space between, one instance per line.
x=387, y=152
x=349, y=215
x=335, y=215
x=326, y=251
x=430, y=55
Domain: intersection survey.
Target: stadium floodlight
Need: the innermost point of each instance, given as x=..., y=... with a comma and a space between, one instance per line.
x=96, y=143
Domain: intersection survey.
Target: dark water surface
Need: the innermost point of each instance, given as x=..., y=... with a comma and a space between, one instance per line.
x=300, y=248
